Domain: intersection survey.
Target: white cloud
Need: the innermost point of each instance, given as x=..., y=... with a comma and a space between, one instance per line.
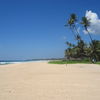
x=94, y=27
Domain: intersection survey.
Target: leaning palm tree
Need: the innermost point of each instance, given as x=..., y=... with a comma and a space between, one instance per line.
x=86, y=23
x=74, y=19
x=71, y=23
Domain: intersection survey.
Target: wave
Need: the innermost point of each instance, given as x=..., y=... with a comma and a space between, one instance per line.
x=5, y=63
x=16, y=62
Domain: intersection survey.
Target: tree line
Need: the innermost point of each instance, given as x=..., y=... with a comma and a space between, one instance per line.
x=81, y=50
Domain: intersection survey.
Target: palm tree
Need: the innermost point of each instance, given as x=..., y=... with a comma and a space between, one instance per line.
x=68, y=53
x=70, y=44
x=71, y=23
x=95, y=48
x=78, y=37
x=86, y=23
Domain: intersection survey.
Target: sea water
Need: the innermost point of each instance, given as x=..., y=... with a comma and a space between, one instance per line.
x=5, y=62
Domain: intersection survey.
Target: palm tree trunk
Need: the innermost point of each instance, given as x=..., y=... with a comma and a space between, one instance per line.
x=77, y=32
x=76, y=29
x=89, y=35
x=73, y=32
x=94, y=57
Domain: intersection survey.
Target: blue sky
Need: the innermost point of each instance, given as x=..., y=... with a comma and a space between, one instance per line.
x=35, y=28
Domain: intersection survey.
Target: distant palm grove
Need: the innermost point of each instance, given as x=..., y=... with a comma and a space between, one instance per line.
x=81, y=50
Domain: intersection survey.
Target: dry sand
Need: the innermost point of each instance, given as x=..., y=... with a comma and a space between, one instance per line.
x=43, y=81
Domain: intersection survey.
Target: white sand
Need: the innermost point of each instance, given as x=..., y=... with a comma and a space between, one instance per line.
x=42, y=81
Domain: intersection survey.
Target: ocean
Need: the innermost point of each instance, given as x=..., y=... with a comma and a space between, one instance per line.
x=5, y=62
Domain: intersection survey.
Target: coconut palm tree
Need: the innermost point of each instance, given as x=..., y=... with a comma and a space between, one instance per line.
x=68, y=53
x=70, y=44
x=95, y=49
x=71, y=23
x=86, y=23
x=74, y=18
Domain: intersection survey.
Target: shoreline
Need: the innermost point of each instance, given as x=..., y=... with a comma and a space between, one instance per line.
x=10, y=62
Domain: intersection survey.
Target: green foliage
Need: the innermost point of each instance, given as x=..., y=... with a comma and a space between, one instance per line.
x=77, y=51
x=95, y=49
x=71, y=62
x=85, y=22
x=81, y=49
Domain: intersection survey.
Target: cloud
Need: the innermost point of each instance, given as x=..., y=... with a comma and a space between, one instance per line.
x=94, y=27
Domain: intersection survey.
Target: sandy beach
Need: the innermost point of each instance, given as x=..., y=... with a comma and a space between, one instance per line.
x=43, y=81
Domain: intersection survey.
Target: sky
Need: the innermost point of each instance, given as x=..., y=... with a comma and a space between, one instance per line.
x=32, y=29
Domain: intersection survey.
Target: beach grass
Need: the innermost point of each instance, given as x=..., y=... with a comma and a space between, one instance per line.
x=71, y=62
x=98, y=62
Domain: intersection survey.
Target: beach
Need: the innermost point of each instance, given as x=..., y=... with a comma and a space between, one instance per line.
x=43, y=81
